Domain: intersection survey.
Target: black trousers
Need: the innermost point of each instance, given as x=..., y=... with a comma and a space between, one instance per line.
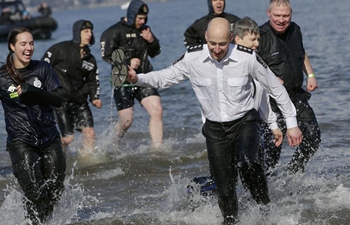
x=40, y=173
x=234, y=147
x=307, y=124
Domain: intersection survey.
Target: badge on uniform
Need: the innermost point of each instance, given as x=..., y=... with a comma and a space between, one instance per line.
x=13, y=91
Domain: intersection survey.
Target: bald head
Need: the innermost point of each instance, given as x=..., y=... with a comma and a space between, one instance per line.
x=219, y=37
x=219, y=27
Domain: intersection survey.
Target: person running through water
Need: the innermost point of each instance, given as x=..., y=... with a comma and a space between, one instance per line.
x=130, y=42
x=281, y=47
x=77, y=70
x=221, y=74
x=246, y=34
x=29, y=90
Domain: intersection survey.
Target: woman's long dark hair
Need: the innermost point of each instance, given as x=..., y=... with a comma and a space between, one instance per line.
x=10, y=67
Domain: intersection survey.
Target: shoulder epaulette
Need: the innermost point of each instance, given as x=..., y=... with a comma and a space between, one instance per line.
x=179, y=59
x=244, y=49
x=261, y=61
x=195, y=48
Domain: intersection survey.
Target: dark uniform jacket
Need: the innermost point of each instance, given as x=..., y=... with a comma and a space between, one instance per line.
x=30, y=117
x=283, y=54
x=78, y=76
x=195, y=34
x=123, y=35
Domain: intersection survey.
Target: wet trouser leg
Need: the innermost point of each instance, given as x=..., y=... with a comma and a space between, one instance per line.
x=221, y=155
x=311, y=138
x=250, y=166
x=40, y=173
x=227, y=143
x=272, y=152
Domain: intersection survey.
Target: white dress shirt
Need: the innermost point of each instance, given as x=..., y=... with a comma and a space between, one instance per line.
x=223, y=88
x=262, y=104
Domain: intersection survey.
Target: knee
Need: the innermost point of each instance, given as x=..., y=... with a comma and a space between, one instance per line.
x=251, y=171
x=34, y=193
x=124, y=124
x=157, y=113
x=89, y=132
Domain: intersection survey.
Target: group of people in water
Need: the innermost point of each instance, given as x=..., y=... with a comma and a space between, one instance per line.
x=246, y=78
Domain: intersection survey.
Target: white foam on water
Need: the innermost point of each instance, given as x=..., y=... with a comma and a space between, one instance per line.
x=74, y=198
x=298, y=199
x=106, y=175
x=11, y=210
x=336, y=199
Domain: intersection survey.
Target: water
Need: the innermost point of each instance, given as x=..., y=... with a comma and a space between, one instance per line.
x=131, y=184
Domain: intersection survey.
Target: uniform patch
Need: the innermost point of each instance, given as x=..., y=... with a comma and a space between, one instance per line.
x=261, y=61
x=37, y=82
x=13, y=91
x=179, y=59
x=145, y=9
x=244, y=49
x=194, y=48
x=87, y=65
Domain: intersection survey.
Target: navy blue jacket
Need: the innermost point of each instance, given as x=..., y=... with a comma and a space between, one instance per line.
x=29, y=117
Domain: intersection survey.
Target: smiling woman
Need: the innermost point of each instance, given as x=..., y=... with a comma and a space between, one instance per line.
x=29, y=89
x=23, y=50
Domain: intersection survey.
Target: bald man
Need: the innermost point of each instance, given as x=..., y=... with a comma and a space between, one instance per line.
x=221, y=74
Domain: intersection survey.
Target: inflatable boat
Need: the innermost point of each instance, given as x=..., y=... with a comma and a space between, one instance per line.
x=14, y=14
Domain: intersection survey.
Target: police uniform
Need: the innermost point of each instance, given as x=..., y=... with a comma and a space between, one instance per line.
x=231, y=122
x=284, y=54
x=33, y=140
